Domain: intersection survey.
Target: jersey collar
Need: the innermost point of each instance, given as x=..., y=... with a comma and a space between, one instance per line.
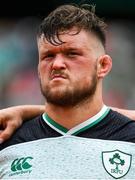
x=80, y=127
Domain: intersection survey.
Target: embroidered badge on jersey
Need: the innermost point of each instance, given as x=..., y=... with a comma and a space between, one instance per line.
x=116, y=163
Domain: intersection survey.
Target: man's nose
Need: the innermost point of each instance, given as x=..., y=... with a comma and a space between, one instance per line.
x=58, y=62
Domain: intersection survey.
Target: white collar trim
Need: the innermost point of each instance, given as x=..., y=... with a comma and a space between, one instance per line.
x=84, y=125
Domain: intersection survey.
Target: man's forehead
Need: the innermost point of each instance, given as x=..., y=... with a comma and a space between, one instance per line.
x=47, y=47
x=70, y=43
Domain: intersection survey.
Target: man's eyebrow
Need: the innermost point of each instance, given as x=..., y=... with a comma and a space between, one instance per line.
x=71, y=47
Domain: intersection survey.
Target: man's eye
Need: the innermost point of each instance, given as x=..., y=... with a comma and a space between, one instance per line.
x=72, y=54
x=48, y=56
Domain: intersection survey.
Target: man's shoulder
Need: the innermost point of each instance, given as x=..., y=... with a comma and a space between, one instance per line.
x=114, y=126
x=29, y=125
x=122, y=126
x=120, y=117
x=31, y=122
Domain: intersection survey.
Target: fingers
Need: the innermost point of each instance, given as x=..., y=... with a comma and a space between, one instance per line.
x=1, y=139
x=6, y=133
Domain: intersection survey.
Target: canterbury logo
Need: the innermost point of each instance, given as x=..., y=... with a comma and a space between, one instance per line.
x=21, y=164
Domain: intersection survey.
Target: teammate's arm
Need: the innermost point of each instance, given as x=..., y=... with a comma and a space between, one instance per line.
x=128, y=113
x=11, y=118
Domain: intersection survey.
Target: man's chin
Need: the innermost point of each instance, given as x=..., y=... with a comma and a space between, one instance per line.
x=58, y=96
x=58, y=82
x=58, y=88
x=56, y=93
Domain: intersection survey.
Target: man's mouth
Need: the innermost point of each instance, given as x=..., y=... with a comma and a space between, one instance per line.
x=58, y=75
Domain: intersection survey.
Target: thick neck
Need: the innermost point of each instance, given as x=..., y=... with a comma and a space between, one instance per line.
x=69, y=117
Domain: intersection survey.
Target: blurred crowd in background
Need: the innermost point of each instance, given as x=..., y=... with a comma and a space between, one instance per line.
x=19, y=58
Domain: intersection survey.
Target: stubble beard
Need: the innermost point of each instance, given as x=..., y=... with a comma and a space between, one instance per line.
x=70, y=97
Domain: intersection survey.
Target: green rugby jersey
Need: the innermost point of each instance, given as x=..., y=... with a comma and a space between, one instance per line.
x=102, y=147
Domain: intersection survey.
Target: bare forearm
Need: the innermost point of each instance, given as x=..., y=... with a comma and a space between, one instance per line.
x=30, y=111
x=128, y=113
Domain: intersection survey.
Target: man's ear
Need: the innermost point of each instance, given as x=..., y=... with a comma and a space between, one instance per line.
x=104, y=65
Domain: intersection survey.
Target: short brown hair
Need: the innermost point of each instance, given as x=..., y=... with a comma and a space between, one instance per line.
x=65, y=17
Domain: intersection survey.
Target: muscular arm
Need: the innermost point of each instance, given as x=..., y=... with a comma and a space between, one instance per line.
x=11, y=118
